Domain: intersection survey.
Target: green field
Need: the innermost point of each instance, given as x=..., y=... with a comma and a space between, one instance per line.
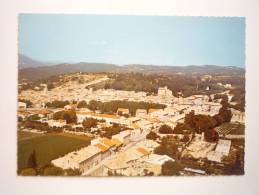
x=47, y=147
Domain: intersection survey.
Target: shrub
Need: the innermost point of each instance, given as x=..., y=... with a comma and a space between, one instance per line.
x=165, y=129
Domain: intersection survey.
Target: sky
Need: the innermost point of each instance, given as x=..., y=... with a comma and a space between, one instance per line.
x=121, y=39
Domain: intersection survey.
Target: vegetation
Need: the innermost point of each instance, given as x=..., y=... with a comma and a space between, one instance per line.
x=152, y=135
x=33, y=117
x=171, y=168
x=89, y=122
x=36, y=125
x=182, y=128
x=200, y=123
x=112, y=106
x=32, y=162
x=28, y=172
x=68, y=116
x=233, y=128
x=57, y=104
x=165, y=129
x=82, y=104
x=113, y=130
x=168, y=146
x=47, y=148
x=53, y=171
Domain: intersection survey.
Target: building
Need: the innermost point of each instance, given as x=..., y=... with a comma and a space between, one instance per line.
x=237, y=116
x=56, y=123
x=222, y=149
x=123, y=137
x=22, y=105
x=223, y=146
x=141, y=112
x=124, y=163
x=164, y=92
x=121, y=111
x=83, y=159
x=153, y=163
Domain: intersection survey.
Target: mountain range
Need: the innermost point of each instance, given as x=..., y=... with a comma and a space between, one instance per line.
x=33, y=70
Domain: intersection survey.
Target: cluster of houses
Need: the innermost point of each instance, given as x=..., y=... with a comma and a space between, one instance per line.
x=200, y=149
x=116, y=156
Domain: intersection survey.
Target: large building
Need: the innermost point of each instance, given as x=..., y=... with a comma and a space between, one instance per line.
x=164, y=92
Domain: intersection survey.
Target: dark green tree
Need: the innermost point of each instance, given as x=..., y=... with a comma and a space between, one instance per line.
x=171, y=168
x=32, y=161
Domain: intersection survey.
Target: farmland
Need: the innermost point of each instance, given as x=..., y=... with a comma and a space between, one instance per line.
x=47, y=147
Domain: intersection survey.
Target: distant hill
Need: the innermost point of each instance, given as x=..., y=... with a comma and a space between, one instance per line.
x=27, y=62
x=44, y=72
x=191, y=69
x=33, y=70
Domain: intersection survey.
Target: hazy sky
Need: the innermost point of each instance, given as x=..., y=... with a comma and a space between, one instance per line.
x=160, y=40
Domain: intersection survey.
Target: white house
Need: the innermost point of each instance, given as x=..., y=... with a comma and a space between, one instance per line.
x=22, y=105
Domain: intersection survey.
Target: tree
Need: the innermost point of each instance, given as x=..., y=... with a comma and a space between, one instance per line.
x=211, y=135
x=33, y=117
x=32, y=162
x=28, y=172
x=53, y=171
x=225, y=113
x=69, y=116
x=200, y=123
x=50, y=86
x=182, y=128
x=218, y=118
x=171, y=168
x=168, y=146
x=82, y=104
x=89, y=122
x=165, y=129
x=113, y=130
x=57, y=104
x=152, y=135
x=73, y=172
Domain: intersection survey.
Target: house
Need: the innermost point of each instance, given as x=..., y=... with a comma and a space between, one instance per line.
x=105, y=150
x=141, y=112
x=222, y=149
x=164, y=92
x=123, y=137
x=121, y=111
x=123, y=163
x=22, y=105
x=56, y=123
x=83, y=159
x=70, y=107
x=153, y=163
x=223, y=146
x=237, y=116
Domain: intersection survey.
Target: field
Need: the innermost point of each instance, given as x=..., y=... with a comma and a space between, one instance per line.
x=231, y=128
x=47, y=147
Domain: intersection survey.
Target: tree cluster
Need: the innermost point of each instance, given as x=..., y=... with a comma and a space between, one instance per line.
x=57, y=104
x=171, y=168
x=168, y=146
x=112, y=106
x=89, y=123
x=165, y=129
x=69, y=116
x=152, y=135
x=113, y=130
